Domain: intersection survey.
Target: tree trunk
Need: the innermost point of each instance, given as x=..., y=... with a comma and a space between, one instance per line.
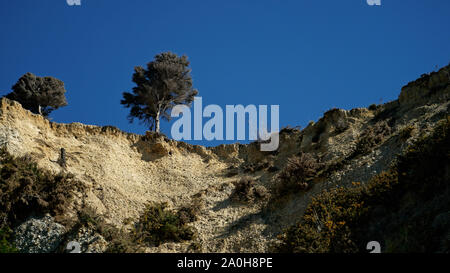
x=157, y=122
x=62, y=158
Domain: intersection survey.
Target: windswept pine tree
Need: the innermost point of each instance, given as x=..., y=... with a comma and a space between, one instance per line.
x=165, y=83
x=40, y=95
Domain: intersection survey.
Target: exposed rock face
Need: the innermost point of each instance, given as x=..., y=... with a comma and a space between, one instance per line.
x=428, y=88
x=89, y=241
x=334, y=134
x=122, y=171
x=39, y=235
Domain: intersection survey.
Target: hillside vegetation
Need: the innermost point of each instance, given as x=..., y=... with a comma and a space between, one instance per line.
x=405, y=208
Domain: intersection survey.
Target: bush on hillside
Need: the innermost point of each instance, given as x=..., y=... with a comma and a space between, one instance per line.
x=247, y=191
x=297, y=174
x=158, y=225
x=371, y=137
x=26, y=189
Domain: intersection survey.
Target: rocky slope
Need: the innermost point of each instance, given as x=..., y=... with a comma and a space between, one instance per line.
x=122, y=172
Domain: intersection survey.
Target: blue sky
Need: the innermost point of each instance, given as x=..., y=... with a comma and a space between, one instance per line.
x=306, y=56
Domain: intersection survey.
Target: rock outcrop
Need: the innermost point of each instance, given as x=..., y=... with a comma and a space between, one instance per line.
x=39, y=235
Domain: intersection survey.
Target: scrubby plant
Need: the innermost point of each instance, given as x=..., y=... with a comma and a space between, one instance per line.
x=373, y=107
x=87, y=217
x=195, y=247
x=26, y=189
x=246, y=190
x=406, y=132
x=190, y=212
x=297, y=174
x=257, y=166
x=6, y=244
x=326, y=170
x=325, y=224
x=158, y=224
x=371, y=137
x=119, y=240
x=232, y=171
x=405, y=208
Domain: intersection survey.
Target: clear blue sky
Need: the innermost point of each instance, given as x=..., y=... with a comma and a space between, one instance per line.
x=306, y=56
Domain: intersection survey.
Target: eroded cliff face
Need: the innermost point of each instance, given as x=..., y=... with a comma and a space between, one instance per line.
x=122, y=172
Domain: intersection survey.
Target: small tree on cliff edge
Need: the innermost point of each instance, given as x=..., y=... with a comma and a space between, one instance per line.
x=165, y=83
x=40, y=95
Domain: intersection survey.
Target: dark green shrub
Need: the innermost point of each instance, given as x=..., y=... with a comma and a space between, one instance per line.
x=26, y=189
x=6, y=244
x=41, y=95
x=373, y=107
x=325, y=224
x=158, y=225
x=120, y=241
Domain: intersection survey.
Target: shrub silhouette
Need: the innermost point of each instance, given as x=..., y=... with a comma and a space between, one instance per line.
x=40, y=95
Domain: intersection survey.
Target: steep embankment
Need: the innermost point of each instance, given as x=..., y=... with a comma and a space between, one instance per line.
x=122, y=172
